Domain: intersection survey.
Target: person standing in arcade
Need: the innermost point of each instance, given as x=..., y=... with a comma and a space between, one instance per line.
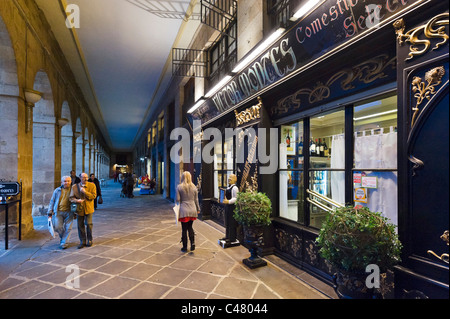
x=187, y=196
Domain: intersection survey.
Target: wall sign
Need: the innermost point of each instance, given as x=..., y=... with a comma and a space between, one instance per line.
x=8, y=189
x=332, y=24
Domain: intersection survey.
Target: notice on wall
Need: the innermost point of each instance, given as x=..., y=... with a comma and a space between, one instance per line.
x=357, y=180
x=360, y=195
x=369, y=182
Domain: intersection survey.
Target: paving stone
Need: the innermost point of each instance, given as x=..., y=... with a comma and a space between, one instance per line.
x=169, y=276
x=136, y=254
x=146, y=290
x=114, y=287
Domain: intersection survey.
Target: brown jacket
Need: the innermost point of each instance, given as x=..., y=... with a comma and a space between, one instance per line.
x=87, y=207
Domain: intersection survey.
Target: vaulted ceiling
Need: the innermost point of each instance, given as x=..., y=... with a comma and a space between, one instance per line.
x=120, y=56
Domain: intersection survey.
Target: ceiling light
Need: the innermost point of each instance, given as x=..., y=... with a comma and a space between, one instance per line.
x=218, y=86
x=304, y=9
x=374, y=115
x=258, y=50
x=196, y=105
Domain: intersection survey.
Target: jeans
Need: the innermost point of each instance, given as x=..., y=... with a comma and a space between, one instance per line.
x=85, y=228
x=63, y=225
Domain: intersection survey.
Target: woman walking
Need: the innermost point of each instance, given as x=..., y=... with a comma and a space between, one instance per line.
x=189, y=209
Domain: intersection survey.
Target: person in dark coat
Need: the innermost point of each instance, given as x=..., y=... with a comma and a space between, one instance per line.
x=129, y=180
x=94, y=180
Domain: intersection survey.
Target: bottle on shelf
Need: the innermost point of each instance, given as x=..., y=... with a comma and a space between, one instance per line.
x=288, y=140
x=321, y=147
x=312, y=147
x=317, y=148
x=325, y=149
x=300, y=146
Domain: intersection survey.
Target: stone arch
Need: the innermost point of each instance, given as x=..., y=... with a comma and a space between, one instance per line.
x=92, y=154
x=9, y=93
x=66, y=140
x=86, y=150
x=78, y=147
x=43, y=145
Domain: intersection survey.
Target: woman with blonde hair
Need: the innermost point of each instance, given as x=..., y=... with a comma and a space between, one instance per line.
x=187, y=197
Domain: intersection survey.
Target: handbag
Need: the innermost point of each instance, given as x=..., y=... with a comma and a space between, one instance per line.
x=75, y=207
x=100, y=200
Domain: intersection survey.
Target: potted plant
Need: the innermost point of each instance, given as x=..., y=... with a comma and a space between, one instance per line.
x=252, y=211
x=351, y=239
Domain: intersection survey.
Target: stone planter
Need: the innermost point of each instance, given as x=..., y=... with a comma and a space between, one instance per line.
x=253, y=237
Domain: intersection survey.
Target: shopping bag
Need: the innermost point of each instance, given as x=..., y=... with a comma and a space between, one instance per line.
x=176, y=210
x=50, y=227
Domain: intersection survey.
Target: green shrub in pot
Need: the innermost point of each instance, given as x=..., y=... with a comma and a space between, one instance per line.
x=252, y=208
x=351, y=238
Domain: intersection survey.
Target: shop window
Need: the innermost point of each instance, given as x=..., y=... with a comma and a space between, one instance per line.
x=154, y=133
x=223, y=164
x=375, y=156
x=327, y=163
x=291, y=172
x=161, y=129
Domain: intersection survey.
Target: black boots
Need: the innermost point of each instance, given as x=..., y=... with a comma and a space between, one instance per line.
x=192, y=240
x=184, y=242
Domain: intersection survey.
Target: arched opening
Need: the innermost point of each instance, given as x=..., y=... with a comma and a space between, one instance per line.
x=66, y=141
x=43, y=146
x=86, y=151
x=92, y=154
x=78, y=148
x=9, y=92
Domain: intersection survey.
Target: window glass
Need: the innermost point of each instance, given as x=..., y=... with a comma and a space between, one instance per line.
x=327, y=141
x=327, y=164
x=291, y=172
x=375, y=125
x=217, y=168
x=375, y=156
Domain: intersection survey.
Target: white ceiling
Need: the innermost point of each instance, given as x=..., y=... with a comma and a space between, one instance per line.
x=120, y=57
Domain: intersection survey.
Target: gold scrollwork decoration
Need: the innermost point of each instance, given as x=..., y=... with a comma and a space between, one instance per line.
x=365, y=72
x=443, y=257
x=433, y=29
x=250, y=114
x=425, y=90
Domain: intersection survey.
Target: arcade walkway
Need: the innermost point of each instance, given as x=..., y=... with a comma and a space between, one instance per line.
x=136, y=254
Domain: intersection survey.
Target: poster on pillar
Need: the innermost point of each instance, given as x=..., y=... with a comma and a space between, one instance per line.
x=247, y=159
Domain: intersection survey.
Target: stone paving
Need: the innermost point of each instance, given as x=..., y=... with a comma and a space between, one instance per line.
x=136, y=255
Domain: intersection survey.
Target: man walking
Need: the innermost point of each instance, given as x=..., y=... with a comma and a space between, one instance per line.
x=60, y=206
x=74, y=177
x=84, y=194
x=95, y=180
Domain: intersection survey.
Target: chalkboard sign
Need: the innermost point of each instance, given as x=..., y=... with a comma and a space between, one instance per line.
x=9, y=188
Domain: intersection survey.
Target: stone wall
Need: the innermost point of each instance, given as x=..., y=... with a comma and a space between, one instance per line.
x=32, y=59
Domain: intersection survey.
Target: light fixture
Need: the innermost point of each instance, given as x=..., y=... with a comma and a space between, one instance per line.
x=31, y=98
x=218, y=86
x=304, y=9
x=258, y=50
x=196, y=105
x=374, y=115
x=62, y=122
